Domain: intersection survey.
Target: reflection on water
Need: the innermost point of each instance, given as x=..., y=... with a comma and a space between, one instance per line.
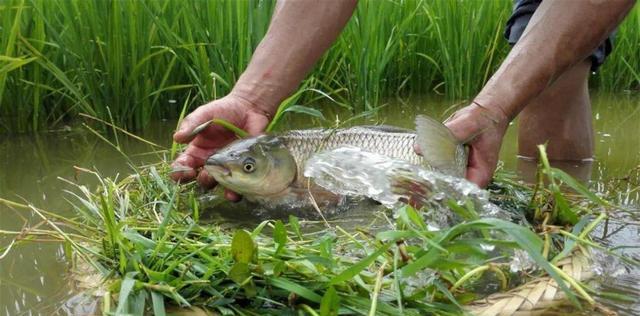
x=32, y=276
x=615, y=275
x=581, y=170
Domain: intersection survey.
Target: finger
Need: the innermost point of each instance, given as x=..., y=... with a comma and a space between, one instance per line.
x=205, y=180
x=479, y=171
x=201, y=115
x=188, y=161
x=195, y=156
x=181, y=172
x=479, y=176
x=461, y=127
x=417, y=149
x=256, y=123
x=231, y=196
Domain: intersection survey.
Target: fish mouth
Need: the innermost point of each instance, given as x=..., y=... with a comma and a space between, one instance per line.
x=215, y=166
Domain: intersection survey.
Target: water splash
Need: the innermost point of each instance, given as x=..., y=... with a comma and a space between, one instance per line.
x=392, y=182
x=607, y=265
x=522, y=261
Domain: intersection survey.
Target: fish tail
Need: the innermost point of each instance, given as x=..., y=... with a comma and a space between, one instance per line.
x=440, y=149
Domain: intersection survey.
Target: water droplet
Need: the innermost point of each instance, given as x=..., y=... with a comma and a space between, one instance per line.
x=486, y=247
x=354, y=172
x=439, y=196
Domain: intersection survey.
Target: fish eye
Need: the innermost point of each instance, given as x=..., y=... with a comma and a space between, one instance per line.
x=249, y=165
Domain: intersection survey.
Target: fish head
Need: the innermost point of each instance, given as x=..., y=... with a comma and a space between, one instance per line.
x=257, y=166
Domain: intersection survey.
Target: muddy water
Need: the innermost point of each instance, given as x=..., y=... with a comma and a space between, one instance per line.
x=32, y=276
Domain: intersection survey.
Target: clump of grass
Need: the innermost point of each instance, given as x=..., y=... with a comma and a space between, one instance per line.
x=144, y=235
x=128, y=60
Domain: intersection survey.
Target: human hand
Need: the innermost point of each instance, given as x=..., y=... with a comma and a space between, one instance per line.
x=231, y=108
x=482, y=129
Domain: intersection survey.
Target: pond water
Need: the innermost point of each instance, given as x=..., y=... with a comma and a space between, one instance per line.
x=33, y=276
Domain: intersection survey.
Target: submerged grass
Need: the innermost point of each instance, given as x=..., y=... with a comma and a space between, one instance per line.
x=145, y=236
x=130, y=59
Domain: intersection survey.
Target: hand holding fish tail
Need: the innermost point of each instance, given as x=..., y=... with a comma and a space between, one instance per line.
x=482, y=129
x=212, y=137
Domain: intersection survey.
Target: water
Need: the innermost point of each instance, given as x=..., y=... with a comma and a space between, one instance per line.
x=32, y=276
x=392, y=182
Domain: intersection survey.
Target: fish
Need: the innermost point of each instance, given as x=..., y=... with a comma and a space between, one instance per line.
x=269, y=169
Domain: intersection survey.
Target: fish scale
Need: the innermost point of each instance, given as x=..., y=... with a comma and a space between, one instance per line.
x=385, y=140
x=269, y=169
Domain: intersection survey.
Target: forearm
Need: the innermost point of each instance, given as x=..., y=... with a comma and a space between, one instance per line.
x=299, y=33
x=559, y=35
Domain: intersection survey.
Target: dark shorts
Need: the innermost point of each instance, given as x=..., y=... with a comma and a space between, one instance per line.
x=522, y=12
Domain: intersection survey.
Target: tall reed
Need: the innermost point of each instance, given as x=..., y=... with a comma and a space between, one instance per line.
x=128, y=60
x=621, y=72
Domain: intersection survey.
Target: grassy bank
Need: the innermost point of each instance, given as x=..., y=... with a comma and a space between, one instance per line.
x=145, y=238
x=128, y=60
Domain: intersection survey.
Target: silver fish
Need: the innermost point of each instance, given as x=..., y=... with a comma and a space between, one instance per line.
x=269, y=168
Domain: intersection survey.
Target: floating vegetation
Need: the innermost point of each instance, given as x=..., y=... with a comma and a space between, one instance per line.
x=135, y=61
x=144, y=238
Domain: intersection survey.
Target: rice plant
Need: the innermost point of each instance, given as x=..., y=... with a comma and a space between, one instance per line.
x=136, y=61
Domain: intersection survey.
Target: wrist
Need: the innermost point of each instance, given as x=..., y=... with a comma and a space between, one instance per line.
x=493, y=113
x=259, y=97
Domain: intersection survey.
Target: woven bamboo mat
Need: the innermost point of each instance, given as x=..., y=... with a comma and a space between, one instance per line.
x=536, y=296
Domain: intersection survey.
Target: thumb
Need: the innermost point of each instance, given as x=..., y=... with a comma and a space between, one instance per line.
x=462, y=128
x=185, y=132
x=256, y=123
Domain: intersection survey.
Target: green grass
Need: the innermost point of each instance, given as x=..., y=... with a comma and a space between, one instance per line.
x=127, y=59
x=144, y=235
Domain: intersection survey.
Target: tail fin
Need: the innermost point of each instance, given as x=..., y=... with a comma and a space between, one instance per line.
x=440, y=149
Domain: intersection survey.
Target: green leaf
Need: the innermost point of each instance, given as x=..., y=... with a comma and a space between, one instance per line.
x=532, y=244
x=330, y=303
x=578, y=187
x=155, y=276
x=305, y=110
x=258, y=230
x=231, y=127
x=241, y=275
x=424, y=261
x=242, y=246
x=445, y=291
x=126, y=292
x=414, y=216
x=279, y=233
x=358, y=267
x=157, y=300
x=394, y=235
x=278, y=268
x=569, y=244
x=293, y=287
x=136, y=238
x=566, y=215
x=466, y=212
x=295, y=225
x=326, y=246
x=137, y=303
x=239, y=272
